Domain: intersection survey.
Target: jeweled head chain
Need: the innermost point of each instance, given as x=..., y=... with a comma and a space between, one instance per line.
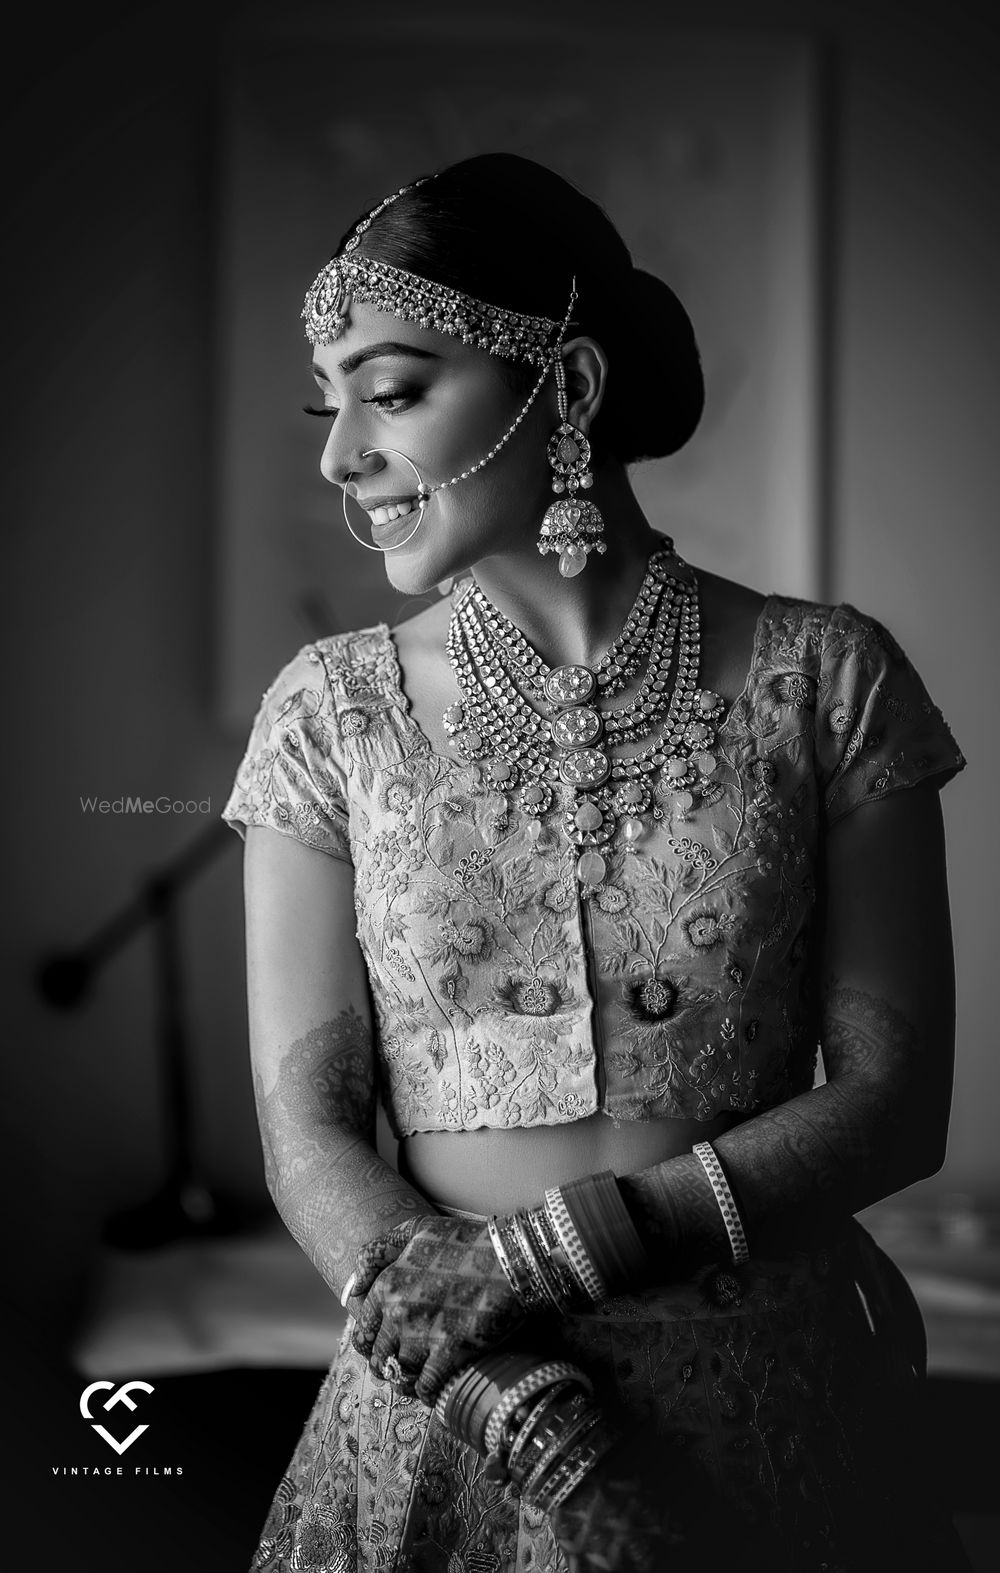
x=411, y=298
x=571, y=525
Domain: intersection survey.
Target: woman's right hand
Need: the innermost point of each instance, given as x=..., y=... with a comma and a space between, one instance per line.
x=435, y=1297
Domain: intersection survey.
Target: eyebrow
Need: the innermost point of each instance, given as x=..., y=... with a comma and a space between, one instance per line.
x=375, y=352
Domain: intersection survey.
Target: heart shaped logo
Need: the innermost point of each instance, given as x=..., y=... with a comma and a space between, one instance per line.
x=119, y=1395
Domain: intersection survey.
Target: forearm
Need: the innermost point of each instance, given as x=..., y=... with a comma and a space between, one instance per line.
x=337, y=1197
x=317, y=1122
x=818, y=1158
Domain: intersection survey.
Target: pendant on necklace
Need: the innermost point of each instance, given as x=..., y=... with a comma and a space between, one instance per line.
x=585, y=768
x=586, y=824
x=591, y=868
x=569, y=685
x=578, y=727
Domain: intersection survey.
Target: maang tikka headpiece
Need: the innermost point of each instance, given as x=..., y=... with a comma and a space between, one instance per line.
x=350, y=276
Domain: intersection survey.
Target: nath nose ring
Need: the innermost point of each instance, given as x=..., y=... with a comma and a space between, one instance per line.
x=423, y=493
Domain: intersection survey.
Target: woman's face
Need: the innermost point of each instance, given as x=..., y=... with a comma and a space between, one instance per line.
x=390, y=384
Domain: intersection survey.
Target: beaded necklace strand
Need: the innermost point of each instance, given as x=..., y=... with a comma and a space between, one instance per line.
x=536, y=728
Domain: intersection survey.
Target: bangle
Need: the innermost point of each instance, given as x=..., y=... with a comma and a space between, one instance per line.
x=568, y=1290
x=582, y=1267
x=534, y=1382
x=530, y=1424
x=499, y=1232
x=604, y=1224
x=499, y=1251
x=542, y=1280
x=465, y=1401
x=724, y=1196
x=575, y=1469
x=524, y=1276
x=560, y=1446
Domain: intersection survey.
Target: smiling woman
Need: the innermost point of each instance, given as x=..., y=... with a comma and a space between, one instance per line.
x=578, y=870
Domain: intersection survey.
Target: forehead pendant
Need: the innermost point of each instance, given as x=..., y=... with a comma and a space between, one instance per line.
x=351, y=276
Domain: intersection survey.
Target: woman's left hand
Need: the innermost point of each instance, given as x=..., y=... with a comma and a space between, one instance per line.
x=434, y=1298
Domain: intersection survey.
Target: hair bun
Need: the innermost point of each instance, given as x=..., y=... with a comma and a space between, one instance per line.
x=461, y=228
x=655, y=367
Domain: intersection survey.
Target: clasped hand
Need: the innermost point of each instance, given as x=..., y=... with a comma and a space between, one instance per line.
x=434, y=1298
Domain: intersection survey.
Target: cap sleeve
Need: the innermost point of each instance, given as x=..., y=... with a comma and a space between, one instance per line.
x=288, y=778
x=877, y=727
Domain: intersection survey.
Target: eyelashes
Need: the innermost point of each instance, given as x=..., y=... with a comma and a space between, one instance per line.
x=384, y=401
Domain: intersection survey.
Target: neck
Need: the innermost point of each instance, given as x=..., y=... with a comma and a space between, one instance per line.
x=576, y=620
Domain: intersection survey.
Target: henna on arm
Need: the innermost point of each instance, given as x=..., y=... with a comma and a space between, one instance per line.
x=818, y=1158
x=317, y=1125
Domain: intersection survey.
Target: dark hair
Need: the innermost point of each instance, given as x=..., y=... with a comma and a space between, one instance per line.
x=513, y=233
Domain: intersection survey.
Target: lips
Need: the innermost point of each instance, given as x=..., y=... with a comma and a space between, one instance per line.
x=395, y=531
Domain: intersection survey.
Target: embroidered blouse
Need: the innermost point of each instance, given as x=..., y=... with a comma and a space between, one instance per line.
x=682, y=987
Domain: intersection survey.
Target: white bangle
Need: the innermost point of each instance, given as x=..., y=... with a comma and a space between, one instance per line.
x=581, y=1266
x=724, y=1196
x=348, y=1290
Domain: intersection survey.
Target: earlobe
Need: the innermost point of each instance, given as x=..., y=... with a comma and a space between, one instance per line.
x=586, y=378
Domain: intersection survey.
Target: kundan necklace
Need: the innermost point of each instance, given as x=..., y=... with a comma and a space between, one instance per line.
x=538, y=730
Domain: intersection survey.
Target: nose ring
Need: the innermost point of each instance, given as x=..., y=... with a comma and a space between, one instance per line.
x=423, y=493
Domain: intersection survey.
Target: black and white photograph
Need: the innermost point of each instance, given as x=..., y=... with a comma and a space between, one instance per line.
x=502, y=1069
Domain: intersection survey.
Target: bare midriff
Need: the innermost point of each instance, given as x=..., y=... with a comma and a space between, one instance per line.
x=496, y=1171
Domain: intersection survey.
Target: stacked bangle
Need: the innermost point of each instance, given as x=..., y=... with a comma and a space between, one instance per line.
x=529, y=1422
x=534, y=1382
x=575, y=1251
x=570, y=1471
x=535, y=1422
x=724, y=1196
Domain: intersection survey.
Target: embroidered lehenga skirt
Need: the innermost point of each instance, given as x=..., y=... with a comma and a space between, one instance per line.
x=785, y=1396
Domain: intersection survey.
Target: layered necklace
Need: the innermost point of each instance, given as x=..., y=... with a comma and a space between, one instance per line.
x=535, y=729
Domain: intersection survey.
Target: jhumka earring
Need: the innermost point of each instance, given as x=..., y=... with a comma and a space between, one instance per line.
x=571, y=525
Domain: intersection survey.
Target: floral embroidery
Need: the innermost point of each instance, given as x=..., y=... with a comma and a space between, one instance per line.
x=558, y=897
x=354, y=722
x=468, y=939
x=692, y=852
x=841, y=718
x=471, y=867
x=495, y=986
x=611, y=898
x=396, y=794
x=651, y=998
x=703, y=930
x=798, y=690
x=774, y=1401
x=531, y=996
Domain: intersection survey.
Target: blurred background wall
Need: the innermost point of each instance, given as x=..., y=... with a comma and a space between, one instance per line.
x=111, y=482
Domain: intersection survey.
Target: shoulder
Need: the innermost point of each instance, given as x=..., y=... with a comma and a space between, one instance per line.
x=357, y=660
x=335, y=665
x=818, y=636
x=730, y=617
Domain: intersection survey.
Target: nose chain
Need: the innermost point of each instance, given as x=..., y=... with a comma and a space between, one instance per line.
x=552, y=733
